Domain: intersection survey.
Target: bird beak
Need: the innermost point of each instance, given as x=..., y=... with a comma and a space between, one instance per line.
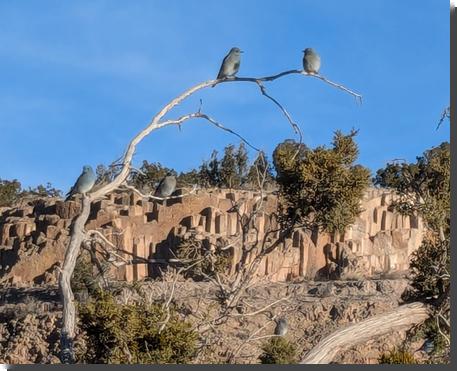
x=241, y=51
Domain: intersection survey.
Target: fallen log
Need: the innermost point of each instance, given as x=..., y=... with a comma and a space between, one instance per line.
x=400, y=318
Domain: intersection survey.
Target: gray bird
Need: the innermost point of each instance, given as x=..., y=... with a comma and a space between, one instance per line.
x=84, y=183
x=427, y=347
x=166, y=186
x=281, y=327
x=311, y=61
x=230, y=64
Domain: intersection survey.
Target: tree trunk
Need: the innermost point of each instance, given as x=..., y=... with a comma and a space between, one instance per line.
x=402, y=317
x=69, y=310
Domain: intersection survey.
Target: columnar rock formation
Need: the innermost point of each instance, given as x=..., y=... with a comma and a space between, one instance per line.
x=33, y=237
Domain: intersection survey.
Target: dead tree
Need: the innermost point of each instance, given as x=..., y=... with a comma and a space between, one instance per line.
x=78, y=233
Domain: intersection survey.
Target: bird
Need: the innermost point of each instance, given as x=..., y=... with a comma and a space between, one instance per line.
x=281, y=327
x=311, y=61
x=84, y=183
x=230, y=64
x=166, y=186
x=427, y=347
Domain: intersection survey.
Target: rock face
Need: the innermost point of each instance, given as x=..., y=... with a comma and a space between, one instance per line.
x=29, y=318
x=33, y=237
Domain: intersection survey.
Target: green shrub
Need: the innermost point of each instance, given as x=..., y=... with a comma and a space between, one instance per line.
x=429, y=330
x=278, y=351
x=397, y=357
x=129, y=333
x=83, y=275
x=430, y=268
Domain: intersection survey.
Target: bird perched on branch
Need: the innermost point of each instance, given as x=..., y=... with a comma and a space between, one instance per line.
x=230, y=64
x=84, y=183
x=311, y=61
x=166, y=186
x=281, y=327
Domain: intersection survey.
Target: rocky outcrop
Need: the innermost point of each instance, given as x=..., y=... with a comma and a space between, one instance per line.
x=29, y=318
x=33, y=237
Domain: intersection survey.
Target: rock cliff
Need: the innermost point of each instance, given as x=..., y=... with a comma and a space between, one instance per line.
x=33, y=236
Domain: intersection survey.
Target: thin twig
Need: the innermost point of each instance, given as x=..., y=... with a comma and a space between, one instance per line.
x=446, y=114
x=166, y=306
x=250, y=338
x=260, y=310
x=283, y=110
x=198, y=114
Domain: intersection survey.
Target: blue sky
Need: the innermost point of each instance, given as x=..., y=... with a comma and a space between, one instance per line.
x=79, y=79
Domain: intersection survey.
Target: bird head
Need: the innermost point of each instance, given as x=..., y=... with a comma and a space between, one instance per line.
x=236, y=51
x=87, y=168
x=309, y=51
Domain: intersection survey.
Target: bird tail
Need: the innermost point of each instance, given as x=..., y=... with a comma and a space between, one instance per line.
x=219, y=76
x=69, y=195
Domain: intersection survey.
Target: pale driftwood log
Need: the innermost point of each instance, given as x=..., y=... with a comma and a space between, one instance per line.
x=400, y=318
x=157, y=122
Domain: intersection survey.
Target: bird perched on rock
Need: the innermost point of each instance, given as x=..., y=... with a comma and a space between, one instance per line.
x=281, y=327
x=166, y=186
x=230, y=64
x=84, y=183
x=311, y=61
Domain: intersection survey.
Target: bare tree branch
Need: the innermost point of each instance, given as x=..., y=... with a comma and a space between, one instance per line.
x=156, y=121
x=252, y=337
x=446, y=114
x=77, y=234
x=151, y=195
x=300, y=72
x=260, y=310
x=166, y=305
x=283, y=110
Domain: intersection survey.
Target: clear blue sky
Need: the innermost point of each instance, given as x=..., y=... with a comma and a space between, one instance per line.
x=78, y=79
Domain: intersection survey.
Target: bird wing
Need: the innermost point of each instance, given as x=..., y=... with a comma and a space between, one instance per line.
x=75, y=186
x=158, y=187
x=70, y=192
x=220, y=75
x=79, y=181
x=236, y=66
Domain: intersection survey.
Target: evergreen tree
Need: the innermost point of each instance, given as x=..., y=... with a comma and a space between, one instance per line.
x=241, y=158
x=189, y=178
x=229, y=174
x=151, y=174
x=321, y=187
x=9, y=191
x=424, y=187
x=213, y=169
